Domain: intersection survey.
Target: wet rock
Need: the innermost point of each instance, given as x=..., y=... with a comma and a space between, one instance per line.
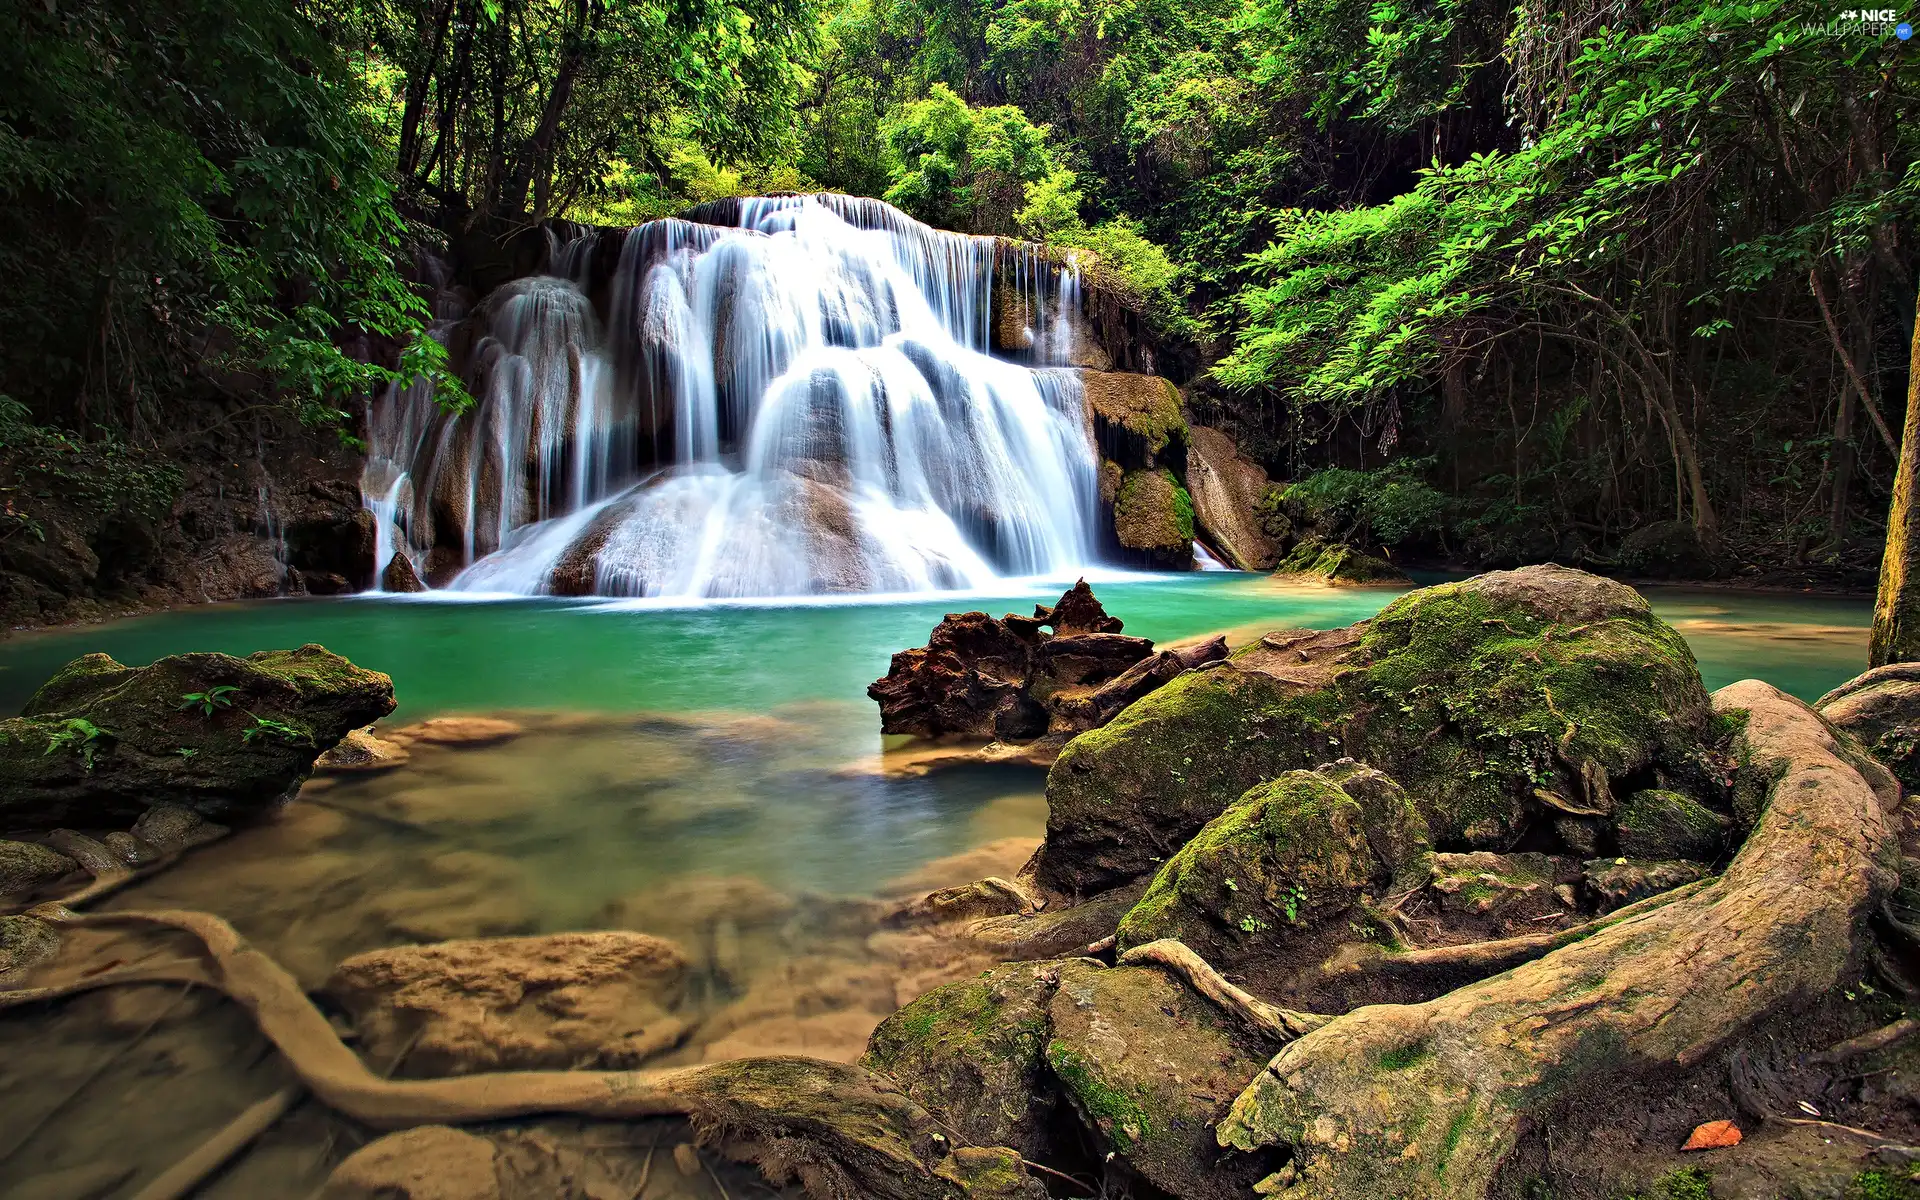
x=400, y=576
x=1481, y=883
x=90, y=853
x=1149, y=1067
x=1613, y=882
x=361, y=751
x=1882, y=709
x=174, y=827
x=1289, y=858
x=99, y=742
x=1474, y=696
x=1136, y=418
x=1227, y=490
x=485, y=1004
x=1153, y=520
x=974, y=1053
x=432, y=1162
x=1013, y=681
x=1658, y=824
x=26, y=866
x=132, y=851
x=1337, y=563
x=457, y=731
x=25, y=943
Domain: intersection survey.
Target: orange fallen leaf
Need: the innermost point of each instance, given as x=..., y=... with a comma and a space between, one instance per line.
x=1713, y=1135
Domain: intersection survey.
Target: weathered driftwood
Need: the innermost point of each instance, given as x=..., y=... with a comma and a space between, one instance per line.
x=1429, y=1100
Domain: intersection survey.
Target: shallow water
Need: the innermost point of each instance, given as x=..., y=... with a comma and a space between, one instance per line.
x=711, y=774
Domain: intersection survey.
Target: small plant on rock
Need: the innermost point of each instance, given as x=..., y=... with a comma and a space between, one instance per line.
x=208, y=701
x=80, y=734
x=268, y=727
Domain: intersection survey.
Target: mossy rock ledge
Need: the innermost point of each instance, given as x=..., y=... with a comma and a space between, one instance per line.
x=100, y=742
x=1502, y=704
x=1339, y=564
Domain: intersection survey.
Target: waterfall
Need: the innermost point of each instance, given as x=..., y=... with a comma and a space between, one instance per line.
x=769, y=396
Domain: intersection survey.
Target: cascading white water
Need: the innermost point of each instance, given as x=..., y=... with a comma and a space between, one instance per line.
x=789, y=395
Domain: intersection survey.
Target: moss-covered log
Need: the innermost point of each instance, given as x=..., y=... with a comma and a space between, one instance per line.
x=1429, y=1100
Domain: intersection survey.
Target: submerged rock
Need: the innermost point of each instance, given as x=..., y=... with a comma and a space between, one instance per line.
x=516, y=1003
x=1337, y=563
x=361, y=751
x=1500, y=703
x=224, y=736
x=25, y=866
x=1882, y=709
x=457, y=731
x=174, y=827
x=432, y=1162
x=25, y=943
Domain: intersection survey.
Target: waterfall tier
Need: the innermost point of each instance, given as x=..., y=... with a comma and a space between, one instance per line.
x=771, y=396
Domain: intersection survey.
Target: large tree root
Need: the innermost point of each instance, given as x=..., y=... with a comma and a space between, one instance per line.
x=1429, y=1100
x=1279, y=1024
x=840, y=1130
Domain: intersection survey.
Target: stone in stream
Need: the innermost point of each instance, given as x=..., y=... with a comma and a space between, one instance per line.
x=1500, y=703
x=1010, y=679
x=1153, y=520
x=361, y=751
x=25, y=866
x=25, y=942
x=456, y=731
x=100, y=743
x=516, y=1003
x=174, y=827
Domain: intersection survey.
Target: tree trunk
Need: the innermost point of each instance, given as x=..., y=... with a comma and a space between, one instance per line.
x=537, y=155
x=1896, y=612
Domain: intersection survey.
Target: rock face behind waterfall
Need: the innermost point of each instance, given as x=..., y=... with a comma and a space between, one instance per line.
x=1012, y=679
x=100, y=742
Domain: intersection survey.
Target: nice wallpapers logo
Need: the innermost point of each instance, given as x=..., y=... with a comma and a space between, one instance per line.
x=1867, y=22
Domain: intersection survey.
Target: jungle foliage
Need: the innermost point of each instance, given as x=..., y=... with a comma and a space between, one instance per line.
x=1577, y=269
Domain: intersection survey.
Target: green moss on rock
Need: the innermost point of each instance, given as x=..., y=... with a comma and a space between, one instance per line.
x=1497, y=702
x=974, y=1052
x=1658, y=823
x=1337, y=563
x=1287, y=858
x=1136, y=418
x=99, y=742
x=1153, y=518
x=1149, y=1067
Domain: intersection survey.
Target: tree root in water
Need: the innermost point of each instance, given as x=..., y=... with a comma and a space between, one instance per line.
x=1429, y=1100
x=1280, y=1024
x=183, y=1177
x=840, y=1130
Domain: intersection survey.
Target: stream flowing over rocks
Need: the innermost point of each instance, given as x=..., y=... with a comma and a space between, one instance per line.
x=1325, y=915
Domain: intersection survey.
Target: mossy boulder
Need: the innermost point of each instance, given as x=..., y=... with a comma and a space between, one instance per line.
x=101, y=742
x=1153, y=519
x=1337, y=563
x=1136, y=418
x=1613, y=882
x=974, y=1052
x=1881, y=708
x=1482, y=883
x=1227, y=489
x=1149, y=1067
x=1291, y=857
x=1660, y=823
x=1501, y=703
